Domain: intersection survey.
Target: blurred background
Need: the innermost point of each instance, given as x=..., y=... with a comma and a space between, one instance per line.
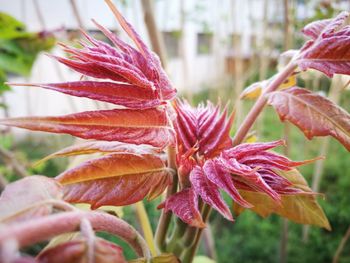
x=212, y=50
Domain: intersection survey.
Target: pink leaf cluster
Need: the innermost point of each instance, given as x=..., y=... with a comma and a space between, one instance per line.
x=244, y=167
x=329, y=48
x=123, y=75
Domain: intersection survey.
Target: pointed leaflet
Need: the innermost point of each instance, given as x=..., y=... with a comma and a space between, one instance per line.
x=209, y=192
x=313, y=114
x=314, y=29
x=254, y=168
x=325, y=26
x=223, y=180
x=127, y=95
x=301, y=208
x=184, y=204
x=330, y=51
x=148, y=126
x=102, y=147
x=76, y=251
x=116, y=179
x=25, y=199
x=203, y=128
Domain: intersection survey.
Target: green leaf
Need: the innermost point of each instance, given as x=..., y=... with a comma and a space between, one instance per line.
x=300, y=208
x=10, y=27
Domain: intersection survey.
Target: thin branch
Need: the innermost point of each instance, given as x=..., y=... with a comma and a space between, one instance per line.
x=165, y=217
x=39, y=14
x=341, y=246
x=11, y=161
x=142, y=216
x=88, y=233
x=155, y=37
x=77, y=14
x=261, y=102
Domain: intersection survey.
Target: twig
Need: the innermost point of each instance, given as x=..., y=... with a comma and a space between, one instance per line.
x=88, y=233
x=77, y=14
x=260, y=103
x=146, y=226
x=3, y=182
x=165, y=217
x=341, y=246
x=156, y=39
x=11, y=161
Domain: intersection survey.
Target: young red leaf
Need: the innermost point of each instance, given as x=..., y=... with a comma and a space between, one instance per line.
x=76, y=251
x=223, y=180
x=315, y=115
x=184, y=204
x=209, y=192
x=116, y=179
x=254, y=168
x=118, y=191
x=27, y=198
x=203, y=128
x=314, y=29
x=102, y=147
x=247, y=176
x=127, y=95
x=149, y=126
x=329, y=52
x=154, y=69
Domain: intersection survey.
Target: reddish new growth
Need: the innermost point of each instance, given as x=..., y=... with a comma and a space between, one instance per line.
x=125, y=76
x=208, y=163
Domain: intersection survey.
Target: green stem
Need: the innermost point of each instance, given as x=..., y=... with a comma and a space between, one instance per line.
x=165, y=217
x=178, y=232
x=261, y=102
x=188, y=254
x=146, y=226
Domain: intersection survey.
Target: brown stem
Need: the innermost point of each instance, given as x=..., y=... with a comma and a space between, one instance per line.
x=36, y=230
x=260, y=103
x=88, y=233
x=39, y=14
x=77, y=14
x=3, y=182
x=11, y=161
x=209, y=242
x=341, y=246
x=155, y=37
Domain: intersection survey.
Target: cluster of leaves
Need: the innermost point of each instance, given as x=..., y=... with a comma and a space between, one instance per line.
x=19, y=48
x=132, y=137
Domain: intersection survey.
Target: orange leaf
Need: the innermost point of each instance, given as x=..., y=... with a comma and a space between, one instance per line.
x=102, y=147
x=149, y=126
x=116, y=179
